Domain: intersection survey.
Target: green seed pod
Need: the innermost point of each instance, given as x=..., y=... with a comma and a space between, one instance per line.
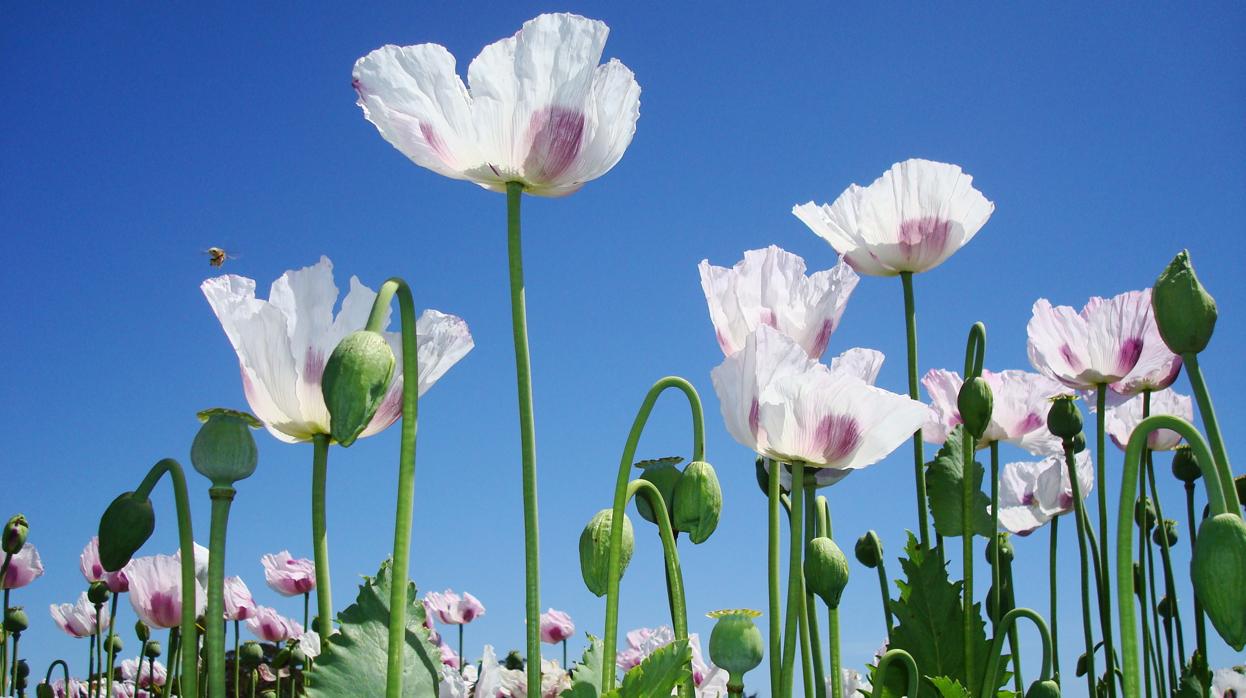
x=1006, y=553
x=1164, y=607
x=1043, y=689
x=15, y=532
x=736, y=645
x=141, y=631
x=126, y=525
x=115, y=644
x=297, y=656
x=595, y=550
x=1166, y=531
x=153, y=650
x=282, y=659
x=1005, y=599
x=251, y=653
x=698, y=502
x=869, y=549
x=1185, y=464
x=975, y=402
x=16, y=621
x=1144, y=510
x=826, y=570
x=664, y=473
x=1079, y=443
x=1219, y=559
x=23, y=669
x=97, y=593
x=356, y=379
x=1063, y=418
x=224, y=450
x=1184, y=312
x=1081, y=665
x=44, y=690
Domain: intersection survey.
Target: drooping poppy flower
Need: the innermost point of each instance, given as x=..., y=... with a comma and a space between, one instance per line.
x=1124, y=417
x=1031, y=493
x=93, y=571
x=451, y=609
x=556, y=626
x=156, y=590
x=540, y=109
x=1099, y=345
x=239, y=605
x=789, y=407
x=283, y=343
x=24, y=568
x=769, y=287
x=1019, y=417
x=78, y=619
x=270, y=626
x=288, y=575
x=911, y=219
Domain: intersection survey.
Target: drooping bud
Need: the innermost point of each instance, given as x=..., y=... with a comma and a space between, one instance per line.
x=1063, y=418
x=736, y=645
x=1185, y=464
x=595, y=550
x=664, y=473
x=1144, y=511
x=1006, y=553
x=1139, y=581
x=1219, y=558
x=15, y=532
x=97, y=593
x=826, y=570
x=141, y=631
x=975, y=402
x=1081, y=665
x=1165, y=533
x=698, y=501
x=152, y=651
x=869, y=549
x=1184, y=312
x=1043, y=689
x=126, y=525
x=224, y=450
x=44, y=690
x=1239, y=484
x=1005, y=599
x=23, y=669
x=16, y=621
x=356, y=379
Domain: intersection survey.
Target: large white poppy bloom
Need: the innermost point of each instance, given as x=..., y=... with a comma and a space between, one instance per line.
x=1031, y=493
x=540, y=110
x=1123, y=418
x=1099, y=345
x=769, y=287
x=789, y=407
x=1157, y=366
x=1019, y=416
x=909, y=220
x=283, y=343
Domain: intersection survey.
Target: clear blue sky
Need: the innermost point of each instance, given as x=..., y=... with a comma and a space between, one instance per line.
x=133, y=138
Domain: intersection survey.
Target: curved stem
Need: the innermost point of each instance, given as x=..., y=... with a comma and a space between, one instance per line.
x=1147, y=652
x=795, y=580
x=320, y=535
x=1170, y=587
x=1006, y=623
x=1054, y=606
x=919, y=461
x=679, y=614
x=811, y=602
x=1212, y=426
x=910, y=668
x=886, y=596
x=47, y=678
x=112, y=653
x=1105, y=598
x=966, y=534
x=214, y=629
x=775, y=493
x=1079, y=517
x=614, y=571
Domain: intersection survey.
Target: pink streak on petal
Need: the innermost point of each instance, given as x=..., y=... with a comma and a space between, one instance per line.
x=836, y=437
x=1128, y=355
x=923, y=239
x=436, y=142
x=754, y=417
x=313, y=366
x=1029, y=424
x=557, y=134
x=766, y=316
x=822, y=339
x=1075, y=365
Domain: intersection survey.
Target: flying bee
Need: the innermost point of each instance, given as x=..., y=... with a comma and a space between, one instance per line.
x=218, y=255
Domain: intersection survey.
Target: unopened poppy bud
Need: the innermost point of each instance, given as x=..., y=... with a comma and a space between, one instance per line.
x=297, y=656
x=98, y=593
x=595, y=550
x=1043, y=689
x=664, y=474
x=126, y=525
x=224, y=450
x=1139, y=581
x=1079, y=443
x=1005, y=548
x=1239, y=484
x=1164, y=607
x=736, y=645
x=44, y=690
x=356, y=379
x=1184, y=312
x=1185, y=464
x=698, y=501
x=268, y=694
x=282, y=659
x=16, y=621
x=826, y=570
x=15, y=532
x=1063, y=418
x=23, y=669
x=975, y=404
x=152, y=651
x=869, y=549
x=1005, y=600
x=114, y=644
x=251, y=653
x=1165, y=533
x=1144, y=510
x=1216, y=570
x=141, y=631
x=513, y=661
x=1081, y=664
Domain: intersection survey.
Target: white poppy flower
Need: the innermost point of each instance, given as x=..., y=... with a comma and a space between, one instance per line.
x=910, y=219
x=1157, y=366
x=1031, y=493
x=283, y=343
x=540, y=109
x=1099, y=345
x=1228, y=683
x=1123, y=418
x=1019, y=416
x=789, y=407
x=769, y=287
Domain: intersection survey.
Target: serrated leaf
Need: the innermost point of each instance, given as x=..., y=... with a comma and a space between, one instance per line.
x=658, y=674
x=948, y=687
x=944, y=477
x=586, y=674
x=353, y=660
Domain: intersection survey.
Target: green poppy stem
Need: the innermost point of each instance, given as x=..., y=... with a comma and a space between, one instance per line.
x=832, y=614
x=1200, y=620
x=1170, y=588
x=214, y=629
x=1212, y=427
x=1161, y=678
x=1006, y=624
x=995, y=590
x=919, y=460
x=812, y=530
x=670, y=553
x=320, y=535
x=1053, y=598
x=112, y=653
x=910, y=668
x=795, y=580
x=1105, y=597
x=237, y=664
x=774, y=497
x=47, y=678
x=174, y=637
x=1079, y=516
x=1148, y=655
x=967, y=534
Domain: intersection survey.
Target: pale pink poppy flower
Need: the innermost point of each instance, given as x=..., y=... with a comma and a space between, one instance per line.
x=451, y=609
x=156, y=590
x=458, y=685
x=283, y=343
x=496, y=681
x=130, y=668
x=788, y=407
x=769, y=287
x=201, y=562
x=911, y=219
x=1019, y=416
x=709, y=680
x=93, y=571
x=77, y=688
x=1228, y=683
x=24, y=568
x=1157, y=366
x=1124, y=417
x=540, y=109
x=556, y=626
x=1031, y=493
x=78, y=619
x=270, y=626
x=448, y=657
x=1098, y=346
x=287, y=575
x=239, y=605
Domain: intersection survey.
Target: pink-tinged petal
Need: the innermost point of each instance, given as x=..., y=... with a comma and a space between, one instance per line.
x=270, y=626
x=556, y=134
x=942, y=387
x=1157, y=367
x=1033, y=492
x=859, y=362
x=239, y=605
x=287, y=575
x=156, y=590
x=740, y=378
x=24, y=568
x=556, y=626
x=1123, y=418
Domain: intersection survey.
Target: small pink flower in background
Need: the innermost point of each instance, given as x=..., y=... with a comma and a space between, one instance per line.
x=556, y=626
x=156, y=590
x=78, y=619
x=1123, y=418
x=24, y=568
x=448, y=657
x=451, y=609
x=269, y=625
x=130, y=669
x=769, y=287
x=238, y=602
x=1019, y=417
x=1033, y=493
x=1099, y=345
x=93, y=571
x=911, y=219
x=287, y=575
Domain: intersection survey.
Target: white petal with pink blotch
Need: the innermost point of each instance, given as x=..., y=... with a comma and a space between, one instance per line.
x=1099, y=345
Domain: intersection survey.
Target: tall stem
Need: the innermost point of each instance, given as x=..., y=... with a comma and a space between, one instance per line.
x=237, y=664
x=675, y=577
x=966, y=514
x=1170, y=587
x=1147, y=655
x=1212, y=427
x=811, y=601
x=112, y=653
x=1200, y=621
x=1053, y=604
x=919, y=461
x=774, y=492
x=1105, y=598
x=997, y=614
x=832, y=614
x=1161, y=678
x=320, y=535
x=795, y=579
x=214, y=629
x=1079, y=516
